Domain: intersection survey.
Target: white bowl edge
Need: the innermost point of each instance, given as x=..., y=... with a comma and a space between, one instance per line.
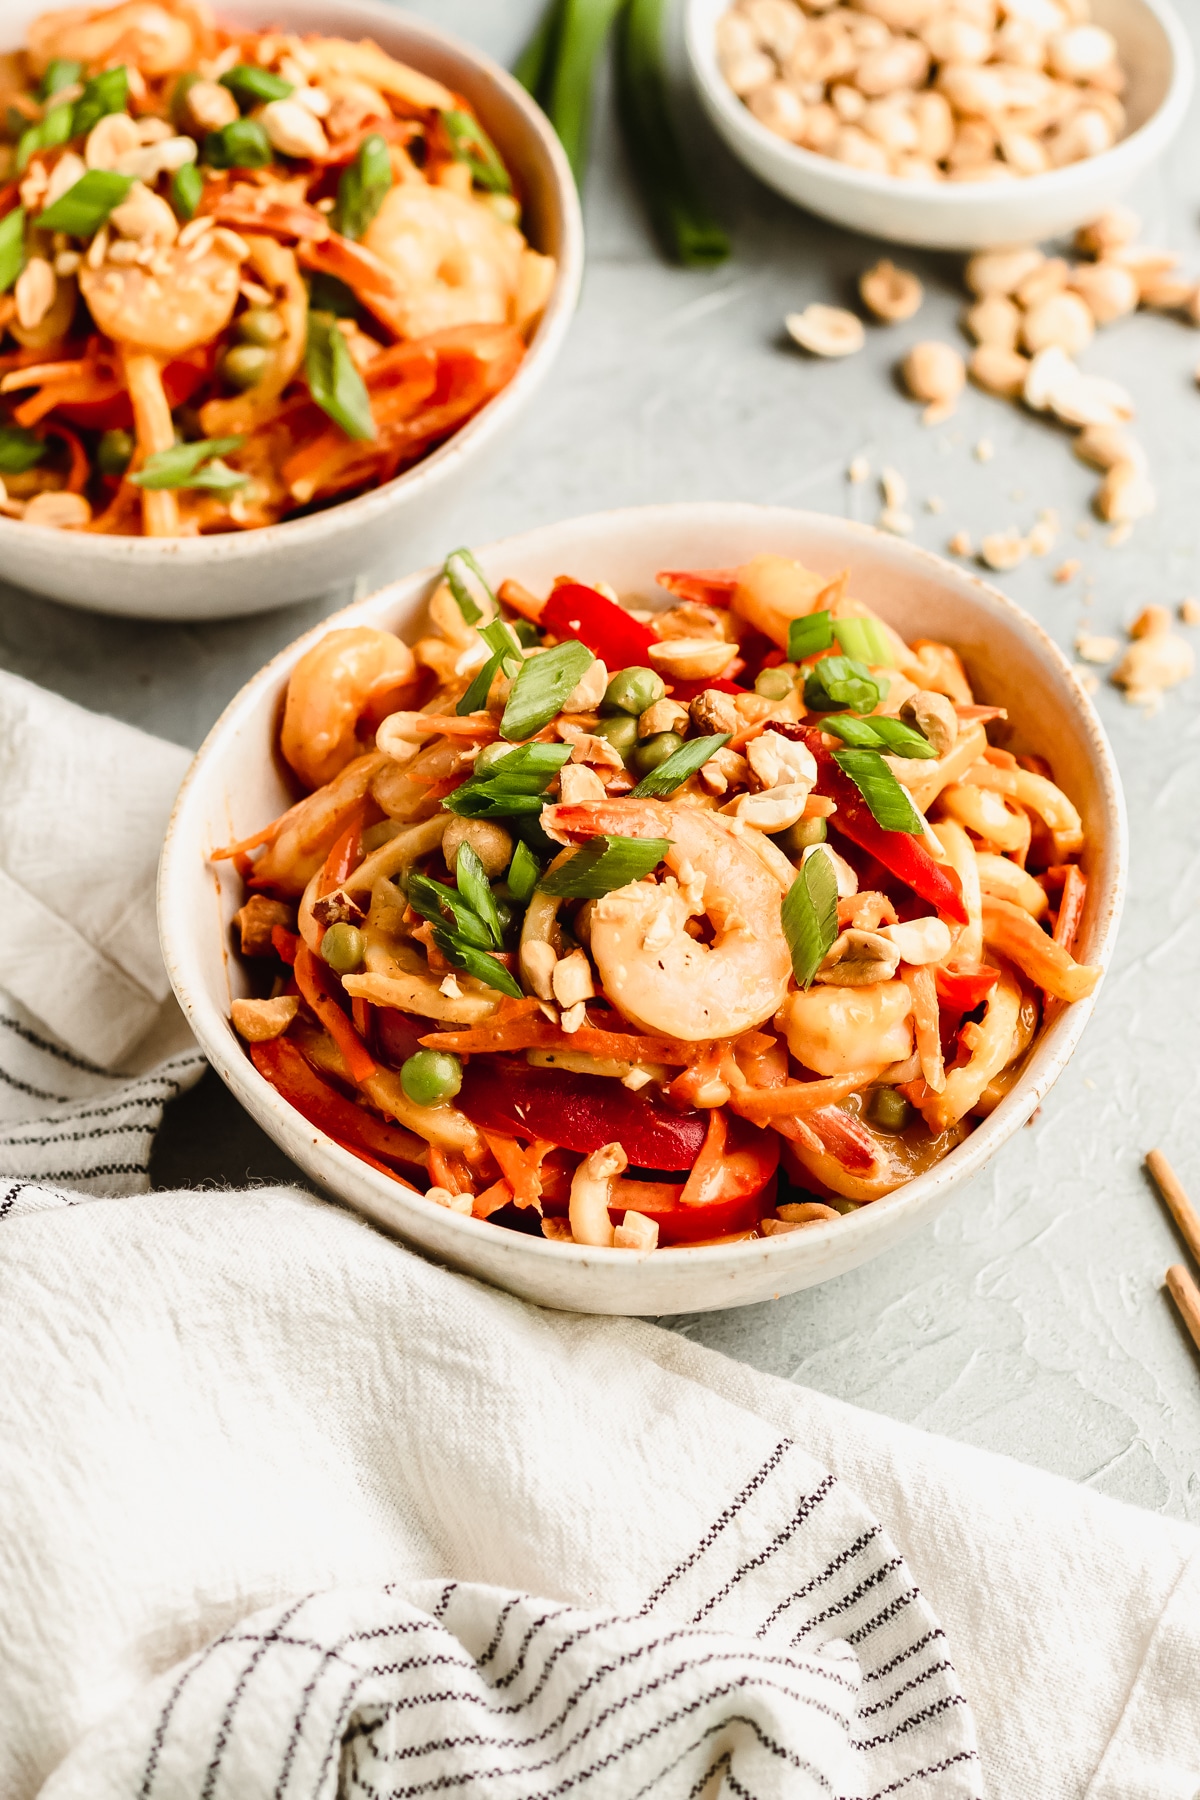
x=193, y=897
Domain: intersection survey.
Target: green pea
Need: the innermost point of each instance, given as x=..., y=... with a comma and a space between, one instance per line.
x=342, y=948
x=244, y=365
x=632, y=691
x=260, y=325
x=114, y=452
x=431, y=1077
x=802, y=836
x=889, y=1109
x=774, y=684
x=620, y=731
x=654, y=750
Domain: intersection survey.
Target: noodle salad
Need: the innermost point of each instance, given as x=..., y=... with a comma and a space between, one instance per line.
x=242, y=273
x=639, y=928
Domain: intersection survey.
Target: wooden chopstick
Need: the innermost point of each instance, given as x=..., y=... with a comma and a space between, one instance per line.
x=1180, y=1285
x=1181, y=1208
x=1186, y=1296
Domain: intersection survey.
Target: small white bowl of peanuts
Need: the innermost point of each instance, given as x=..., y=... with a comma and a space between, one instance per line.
x=953, y=124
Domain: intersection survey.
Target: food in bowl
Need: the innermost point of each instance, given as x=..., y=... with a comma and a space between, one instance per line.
x=243, y=274
x=590, y=916
x=929, y=90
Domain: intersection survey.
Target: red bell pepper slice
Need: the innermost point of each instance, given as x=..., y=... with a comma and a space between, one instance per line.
x=737, y=1159
x=181, y=378
x=579, y=1112
x=685, y=691
x=962, y=990
x=901, y=855
x=292, y=1075
x=314, y=983
x=575, y=611
x=397, y=1035
x=678, y=1224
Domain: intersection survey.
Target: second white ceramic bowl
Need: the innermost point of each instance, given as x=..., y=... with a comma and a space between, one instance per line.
x=943, y=215
x=234, y=787
x=254, y=571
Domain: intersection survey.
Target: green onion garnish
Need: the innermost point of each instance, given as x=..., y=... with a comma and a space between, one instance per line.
x=241, y=145
x=685, y=227
x=187, y=186
x=472, y=145
x=542, y=686
x=863, y=639
x=248, y=84
x=19, y=450
x=679, y=765
x=809, y=916
x=558, y=68
x=188, y=465
x=513, y=785
x=476, y=890
x=840, y=681
x=362, y=187
x=61, y=72
x=462, y=955
x=524, y=873
x=890, y=805
x=12, y=247
x=435, y=902
x=53, y=128
x=333, y=381
x=453, y=576
x=602, y=866
x=506, y=655
x=809, y=635
x=878, y=733
x=82, y=210
x=105, y=93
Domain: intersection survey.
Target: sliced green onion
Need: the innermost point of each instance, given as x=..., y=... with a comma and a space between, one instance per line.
x=899, y=739
x=533, y=66
x=249, y=84
x=542, y=686
x=513, y=785
x=890, y=805
x=434, y=900
x=105, y=93
x=19, y=450
x=61, y=72
x=562, y=57
x=362, y=187
x=82, y=210
x=524, y=873
x=478, y=963
x=809, y=635
x=471, y=801
x=452, y=575
x=604, y=865
x=187, y=186
x=685, y=227
x=243, y=144
x=863, y=639
x=53, y=128
x=679, y=765
x=809, y=916
x=840, y=681
x=476, y=890
x=12, y=247
x=473, y=146
x=333, y=381
x=506, y=655
x=178, y=466
x=217, y=478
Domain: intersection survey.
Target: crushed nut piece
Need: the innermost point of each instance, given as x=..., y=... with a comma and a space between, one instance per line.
x=1125, y=494
x=1189, y=611
x=1111, y=231
x=961, y=545
x=984, y=450
x=934, y=372
x=893, y=487
x=1004, y=549
x=1095, y=649
x=997, y=371
x=898, y=522
x=826, y=330
x=858, y=470
x=1067, y=571
x=892, y=294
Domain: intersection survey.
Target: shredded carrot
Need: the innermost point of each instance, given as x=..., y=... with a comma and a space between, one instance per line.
x=449, y=1171
x=1009, y=929
x=700, y=1188
x=796, y=1098
x=492, y=1199
x=345, y=854
x=1066, y=925
x=359, y=1061
x=518, y=599
x=531, y=1033
x=521, y=1168
x=927, y=1021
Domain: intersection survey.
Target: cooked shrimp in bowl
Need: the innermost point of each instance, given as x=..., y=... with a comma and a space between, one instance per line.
x=242, y=273
x=637, y=926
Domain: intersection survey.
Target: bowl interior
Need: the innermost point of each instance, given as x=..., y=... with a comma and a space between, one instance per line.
x=552, y=223
x=235, y=787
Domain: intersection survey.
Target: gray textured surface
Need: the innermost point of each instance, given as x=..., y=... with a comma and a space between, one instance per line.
x=1031, y=1318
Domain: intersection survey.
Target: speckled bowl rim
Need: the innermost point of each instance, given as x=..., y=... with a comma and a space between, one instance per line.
x=390, y=1205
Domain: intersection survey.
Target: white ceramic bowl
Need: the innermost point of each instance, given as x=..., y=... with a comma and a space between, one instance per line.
x=1155, y=53
x=234, y=788
x=253, y=571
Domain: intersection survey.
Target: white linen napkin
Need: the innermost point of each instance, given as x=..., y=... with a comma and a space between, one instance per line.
x=287, y=1512
x=92, y=1043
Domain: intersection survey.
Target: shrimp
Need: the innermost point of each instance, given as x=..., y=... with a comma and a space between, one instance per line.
x=456, y=262
x=298, y=842
x=835, y=1029
x=662, y=979
x=184, y=298
x=157, y=38
x=366, y=62
x=330, y=689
